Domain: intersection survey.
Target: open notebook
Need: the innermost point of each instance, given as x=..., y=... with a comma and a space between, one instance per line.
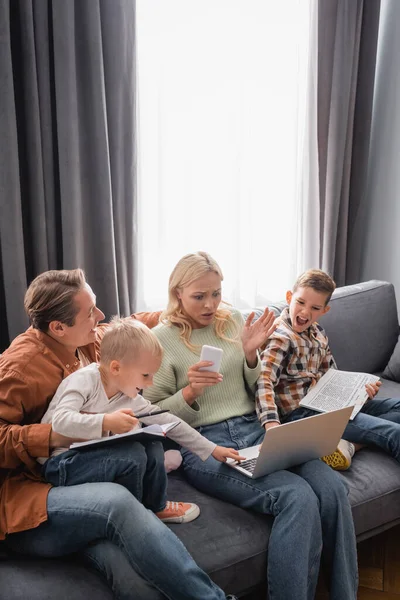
x=140, y=435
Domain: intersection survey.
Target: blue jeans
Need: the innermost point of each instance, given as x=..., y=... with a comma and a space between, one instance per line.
x=310, y=506
x=138, y=467
x=377, y=424
x=140, y=557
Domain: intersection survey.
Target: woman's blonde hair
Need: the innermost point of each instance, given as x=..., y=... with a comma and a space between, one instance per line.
x=186, y=271
x=126, y=338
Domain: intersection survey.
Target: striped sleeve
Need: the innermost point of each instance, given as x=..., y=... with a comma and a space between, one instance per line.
x=251, y=375
x=328, y=362
x=272, y=363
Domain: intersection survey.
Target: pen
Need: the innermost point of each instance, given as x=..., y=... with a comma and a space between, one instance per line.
x=151, y=414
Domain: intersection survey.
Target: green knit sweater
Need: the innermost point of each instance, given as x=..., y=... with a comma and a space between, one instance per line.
x=233, y=397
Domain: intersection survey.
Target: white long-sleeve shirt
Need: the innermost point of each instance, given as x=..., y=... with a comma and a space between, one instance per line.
x=80, y=403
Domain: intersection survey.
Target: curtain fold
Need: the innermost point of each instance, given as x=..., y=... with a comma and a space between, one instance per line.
x=362, y=134
x=67, y=149
x=347, y=46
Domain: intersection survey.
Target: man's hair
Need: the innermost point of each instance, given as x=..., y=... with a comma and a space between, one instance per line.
x=51, y=297
x=127, y=338
x=317, y=280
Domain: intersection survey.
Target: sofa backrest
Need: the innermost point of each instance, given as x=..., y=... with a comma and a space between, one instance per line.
x=362, y=326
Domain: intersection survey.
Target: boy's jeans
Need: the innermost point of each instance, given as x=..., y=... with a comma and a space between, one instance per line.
x=138, y=467
x=377, y=424
x=311, y=511
x=123, y=540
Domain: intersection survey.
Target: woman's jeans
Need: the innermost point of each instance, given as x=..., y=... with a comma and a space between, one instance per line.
x=310, y=506
x=138, y=467
x=377, y=424
x=139, y=556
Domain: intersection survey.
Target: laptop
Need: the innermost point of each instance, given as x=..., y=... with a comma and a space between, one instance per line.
x=294, y=443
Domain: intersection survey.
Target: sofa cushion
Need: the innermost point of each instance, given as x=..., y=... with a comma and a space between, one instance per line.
x=46, y=579
x=374, y=483
x=151, y=319
x=374, y=491
x=226, y=541
x=362, y=326
x=392, y=370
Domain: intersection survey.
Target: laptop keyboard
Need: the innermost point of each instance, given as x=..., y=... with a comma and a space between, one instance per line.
x=249, y=464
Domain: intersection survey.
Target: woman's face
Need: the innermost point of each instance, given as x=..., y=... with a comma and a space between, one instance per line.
x=200, y=299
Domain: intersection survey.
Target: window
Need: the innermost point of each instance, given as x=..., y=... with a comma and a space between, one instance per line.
x=221, y=111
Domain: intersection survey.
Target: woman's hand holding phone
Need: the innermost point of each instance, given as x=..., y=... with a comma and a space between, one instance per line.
x=202, y=374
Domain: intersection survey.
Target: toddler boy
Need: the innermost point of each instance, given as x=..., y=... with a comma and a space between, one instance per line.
x=104, y=398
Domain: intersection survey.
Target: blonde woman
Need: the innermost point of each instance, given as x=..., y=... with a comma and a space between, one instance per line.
x=309, y=502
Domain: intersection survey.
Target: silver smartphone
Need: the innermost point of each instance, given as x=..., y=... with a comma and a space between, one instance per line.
x=211, y=354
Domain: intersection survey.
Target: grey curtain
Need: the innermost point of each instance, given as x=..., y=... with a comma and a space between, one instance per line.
x=347, y=46
x=67, y=149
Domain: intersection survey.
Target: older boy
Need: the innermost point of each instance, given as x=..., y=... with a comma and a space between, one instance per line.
x=103, y=398
x=295, y=358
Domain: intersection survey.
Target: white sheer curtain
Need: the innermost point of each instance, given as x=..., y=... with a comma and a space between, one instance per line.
x=221, y=114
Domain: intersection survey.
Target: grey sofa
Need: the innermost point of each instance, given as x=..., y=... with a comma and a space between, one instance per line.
x=231, y=543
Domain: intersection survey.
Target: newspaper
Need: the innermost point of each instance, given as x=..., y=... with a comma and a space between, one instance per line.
x=338, y=389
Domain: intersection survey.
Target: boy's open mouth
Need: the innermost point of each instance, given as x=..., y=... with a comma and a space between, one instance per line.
x=301, y=321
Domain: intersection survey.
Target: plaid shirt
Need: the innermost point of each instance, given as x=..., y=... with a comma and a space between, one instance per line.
x=292, y=363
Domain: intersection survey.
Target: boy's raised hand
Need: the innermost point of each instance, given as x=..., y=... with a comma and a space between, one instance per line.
x=120, y=421
x=220, y=453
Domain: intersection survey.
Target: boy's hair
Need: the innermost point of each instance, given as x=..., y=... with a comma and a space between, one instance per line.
x=127, y=338
x=51, y=297
x=317, y=280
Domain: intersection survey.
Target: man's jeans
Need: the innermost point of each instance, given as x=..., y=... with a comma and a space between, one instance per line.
x=123, y=540
x=138, y=467
x=377, y=424
x=310, y=506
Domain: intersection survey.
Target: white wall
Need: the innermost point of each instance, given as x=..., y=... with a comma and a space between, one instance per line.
x=381, y=256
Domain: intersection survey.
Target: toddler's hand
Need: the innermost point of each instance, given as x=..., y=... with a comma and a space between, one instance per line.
x=220, y=453
x=120, y=421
